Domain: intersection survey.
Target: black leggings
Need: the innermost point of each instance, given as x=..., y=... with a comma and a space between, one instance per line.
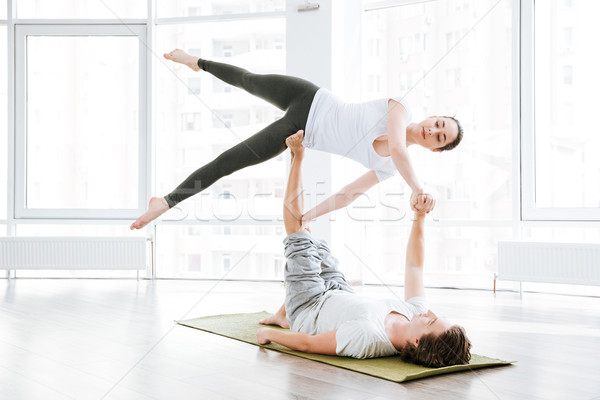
x=290, y=94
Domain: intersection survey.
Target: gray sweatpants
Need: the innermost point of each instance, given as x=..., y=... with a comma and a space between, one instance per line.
x=310, y=271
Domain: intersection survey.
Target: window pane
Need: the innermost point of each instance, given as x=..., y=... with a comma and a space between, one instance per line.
x=82, y=122
x=567, y=166
x=3, y=9
x=3, y=124
x=192, y=8
x=459, y=256
x=415, y=57
x=91, y=9
x=198, y=117
x=232, y=252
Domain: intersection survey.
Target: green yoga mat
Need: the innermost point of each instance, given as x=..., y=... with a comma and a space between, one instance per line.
x=243, y=327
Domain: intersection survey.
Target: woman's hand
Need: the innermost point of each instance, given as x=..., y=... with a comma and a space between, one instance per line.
x=305, y=221
x=424, y=203
x=414, y=197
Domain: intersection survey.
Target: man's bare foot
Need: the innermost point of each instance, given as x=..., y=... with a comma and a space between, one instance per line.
x=157, y=207
x=294, y=142
x=279, y=319
x=181, y=57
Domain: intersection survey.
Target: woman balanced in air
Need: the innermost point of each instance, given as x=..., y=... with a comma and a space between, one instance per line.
x=375, y=133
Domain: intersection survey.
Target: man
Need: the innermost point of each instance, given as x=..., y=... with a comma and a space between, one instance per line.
x=326, y=317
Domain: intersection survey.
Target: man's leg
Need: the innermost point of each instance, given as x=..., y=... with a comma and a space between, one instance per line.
x=293, y=204
x=293, y=201
x=303, y=283
x=326, y=276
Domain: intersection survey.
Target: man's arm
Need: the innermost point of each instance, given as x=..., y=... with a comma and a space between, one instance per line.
x=344, y=197
x=325, y=343
x=415, y=251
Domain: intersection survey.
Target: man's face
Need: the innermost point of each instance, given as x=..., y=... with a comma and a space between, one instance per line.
x=423, y=324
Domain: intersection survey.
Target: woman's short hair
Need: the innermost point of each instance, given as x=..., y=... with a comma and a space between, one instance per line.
x=450, y=348
x=458, y=139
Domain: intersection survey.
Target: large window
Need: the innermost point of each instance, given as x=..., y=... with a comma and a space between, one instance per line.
x=81, y=122
x=562, y=179
x=3, y=124
x=197, y=118
x=86, y=149
x=449, y=59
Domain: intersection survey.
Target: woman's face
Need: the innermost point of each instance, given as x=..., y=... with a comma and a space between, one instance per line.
x=434, y=132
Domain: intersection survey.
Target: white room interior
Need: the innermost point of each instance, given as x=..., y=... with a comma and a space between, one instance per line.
x=94, y=121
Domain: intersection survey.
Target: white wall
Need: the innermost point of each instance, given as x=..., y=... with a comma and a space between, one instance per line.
x=324, y=46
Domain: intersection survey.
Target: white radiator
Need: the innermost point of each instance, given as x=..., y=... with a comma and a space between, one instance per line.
x=72, y=253
x=572, y=263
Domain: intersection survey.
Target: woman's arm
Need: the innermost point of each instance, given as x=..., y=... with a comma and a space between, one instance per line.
x=396, y=127
x=325, y=343
x=342, y=198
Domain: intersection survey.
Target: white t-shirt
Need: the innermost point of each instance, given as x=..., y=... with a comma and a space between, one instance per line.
x=359, y=321
x=349, y=130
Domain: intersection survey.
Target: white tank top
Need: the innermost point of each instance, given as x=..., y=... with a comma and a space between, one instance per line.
x=349, y=130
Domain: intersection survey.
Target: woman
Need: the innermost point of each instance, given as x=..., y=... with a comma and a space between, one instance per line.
x=376, y=134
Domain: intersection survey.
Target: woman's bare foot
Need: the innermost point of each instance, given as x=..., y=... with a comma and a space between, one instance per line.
x=294, y=142
x=157, y=207
x=181, y=57
x=279, y=319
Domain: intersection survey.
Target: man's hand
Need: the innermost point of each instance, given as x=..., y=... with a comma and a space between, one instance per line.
x=262, y=335
x=424, y=203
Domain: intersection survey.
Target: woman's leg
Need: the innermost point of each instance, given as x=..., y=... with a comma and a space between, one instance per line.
x=260, y=147
x=280, y=90
x=292, y=94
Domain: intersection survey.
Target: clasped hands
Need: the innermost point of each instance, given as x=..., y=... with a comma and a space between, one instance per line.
x=422, y=202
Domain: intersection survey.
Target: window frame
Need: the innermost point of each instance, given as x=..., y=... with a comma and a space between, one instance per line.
x=526, y=110
x=21, y=211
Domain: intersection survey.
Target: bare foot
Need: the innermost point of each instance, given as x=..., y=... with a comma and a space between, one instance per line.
x=181, y=57
x=157, y=207
x=279, y=319
x=294, y=142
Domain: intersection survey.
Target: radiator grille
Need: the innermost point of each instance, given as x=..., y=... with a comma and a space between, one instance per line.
x=72, y=253
x=573, y=263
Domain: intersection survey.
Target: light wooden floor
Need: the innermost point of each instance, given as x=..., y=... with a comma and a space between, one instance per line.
x=115, y=339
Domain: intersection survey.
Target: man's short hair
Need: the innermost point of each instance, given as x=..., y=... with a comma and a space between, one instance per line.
x=450, y=348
